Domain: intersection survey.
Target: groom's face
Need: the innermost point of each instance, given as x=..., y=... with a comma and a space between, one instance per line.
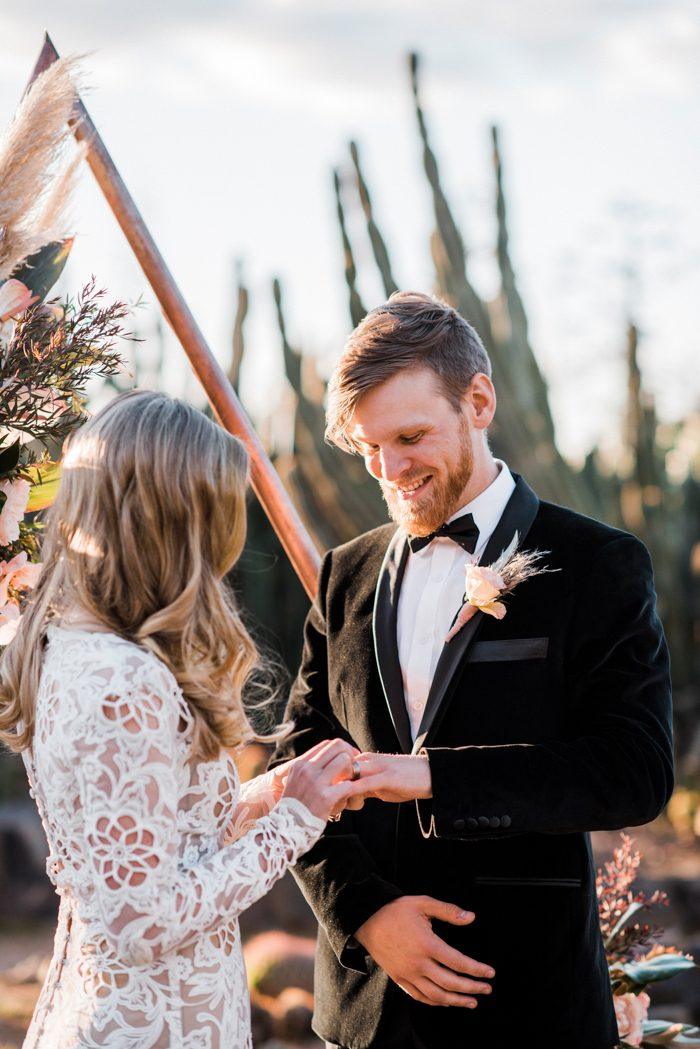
x=417, y=445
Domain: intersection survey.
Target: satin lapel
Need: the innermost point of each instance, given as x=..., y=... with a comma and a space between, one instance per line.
x=520, y=512
x=386, y=647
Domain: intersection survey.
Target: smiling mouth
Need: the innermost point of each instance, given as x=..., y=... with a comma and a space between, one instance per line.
x=408, y=492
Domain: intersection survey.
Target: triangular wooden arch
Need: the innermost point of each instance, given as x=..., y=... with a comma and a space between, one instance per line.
x=265, y=481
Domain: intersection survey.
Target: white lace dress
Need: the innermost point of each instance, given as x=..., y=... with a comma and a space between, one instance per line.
x=153, y=855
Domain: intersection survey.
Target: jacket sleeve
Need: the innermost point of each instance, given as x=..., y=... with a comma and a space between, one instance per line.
x=615, y=768
x=338, y=876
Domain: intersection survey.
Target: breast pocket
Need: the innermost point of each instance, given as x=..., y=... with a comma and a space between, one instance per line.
x=508, y=649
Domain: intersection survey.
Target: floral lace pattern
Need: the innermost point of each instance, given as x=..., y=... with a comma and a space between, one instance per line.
x=153, y=854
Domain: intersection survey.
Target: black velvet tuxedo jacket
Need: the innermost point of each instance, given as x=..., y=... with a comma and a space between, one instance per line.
x=540, y=727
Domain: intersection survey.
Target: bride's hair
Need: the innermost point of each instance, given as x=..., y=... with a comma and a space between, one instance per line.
x=150, y=516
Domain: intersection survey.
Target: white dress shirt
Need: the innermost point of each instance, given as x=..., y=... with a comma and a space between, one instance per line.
x=432, y=591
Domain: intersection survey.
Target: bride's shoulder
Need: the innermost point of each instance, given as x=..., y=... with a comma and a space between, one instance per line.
x=106, y=663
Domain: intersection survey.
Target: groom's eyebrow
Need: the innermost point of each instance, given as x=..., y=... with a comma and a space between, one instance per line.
x=406, y=430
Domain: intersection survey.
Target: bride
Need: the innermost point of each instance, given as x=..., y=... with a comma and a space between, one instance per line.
x=122, y=690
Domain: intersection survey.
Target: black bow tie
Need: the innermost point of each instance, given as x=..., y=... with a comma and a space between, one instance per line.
x=462, y=531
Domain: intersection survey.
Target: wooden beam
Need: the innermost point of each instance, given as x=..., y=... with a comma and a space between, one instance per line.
x=265, y=481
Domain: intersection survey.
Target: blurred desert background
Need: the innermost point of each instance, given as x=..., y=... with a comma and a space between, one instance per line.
x=537, y=165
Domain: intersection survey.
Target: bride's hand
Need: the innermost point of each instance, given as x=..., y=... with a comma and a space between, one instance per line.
x=279, y=773
x=394, y=777
x=322, y=777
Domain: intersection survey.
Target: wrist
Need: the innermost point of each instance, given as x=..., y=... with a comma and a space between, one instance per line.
x=424, y=780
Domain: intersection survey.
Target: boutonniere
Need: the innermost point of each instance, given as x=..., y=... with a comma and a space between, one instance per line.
x=485, y=584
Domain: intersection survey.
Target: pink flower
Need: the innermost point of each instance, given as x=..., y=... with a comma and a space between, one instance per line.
x=15, y=298
x=9, y=621
x=19, y=573
x=631, y=1012
x=17, y=497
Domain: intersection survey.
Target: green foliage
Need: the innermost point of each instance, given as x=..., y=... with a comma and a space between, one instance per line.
x=40, y=271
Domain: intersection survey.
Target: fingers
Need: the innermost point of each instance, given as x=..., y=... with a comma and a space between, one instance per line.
x=444, y=954
x=366, y=785
x=434, y=995
x=326, y=751
x=446, y=912
x=451, y=981
x=338, y=768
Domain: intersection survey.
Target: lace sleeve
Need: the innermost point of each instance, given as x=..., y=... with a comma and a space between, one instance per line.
x=128, y=782
x=257, y=798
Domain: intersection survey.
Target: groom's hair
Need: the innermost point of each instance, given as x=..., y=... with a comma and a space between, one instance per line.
x=410, y=330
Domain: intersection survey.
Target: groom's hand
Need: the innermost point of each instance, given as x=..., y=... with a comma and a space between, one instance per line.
x=400, y=939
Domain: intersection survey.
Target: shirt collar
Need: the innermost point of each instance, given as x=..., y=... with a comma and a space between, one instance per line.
x=487, y=507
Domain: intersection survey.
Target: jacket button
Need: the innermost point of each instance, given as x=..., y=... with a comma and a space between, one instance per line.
x=505, y=821
x=494, y=822
x=471, y=823
x=459, y=824
x=483, y=822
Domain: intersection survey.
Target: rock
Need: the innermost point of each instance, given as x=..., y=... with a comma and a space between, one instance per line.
x=261, y=1022
x=293, y=1014
x=277, y=960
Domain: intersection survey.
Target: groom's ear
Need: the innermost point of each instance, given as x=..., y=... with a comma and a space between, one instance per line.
x=480, y=401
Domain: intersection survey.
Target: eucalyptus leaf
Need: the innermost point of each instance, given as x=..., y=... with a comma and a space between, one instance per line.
x=660, y=967
x=668, y=1033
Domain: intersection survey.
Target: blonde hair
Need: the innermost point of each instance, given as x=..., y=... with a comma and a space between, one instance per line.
x=150, y=516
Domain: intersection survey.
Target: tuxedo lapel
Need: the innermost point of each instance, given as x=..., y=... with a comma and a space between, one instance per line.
x=520, y=512
x=386, y=647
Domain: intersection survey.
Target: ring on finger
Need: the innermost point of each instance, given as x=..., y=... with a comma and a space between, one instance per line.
x=356, y=771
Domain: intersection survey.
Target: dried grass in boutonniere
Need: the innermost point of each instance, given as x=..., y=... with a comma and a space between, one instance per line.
x=484, y=584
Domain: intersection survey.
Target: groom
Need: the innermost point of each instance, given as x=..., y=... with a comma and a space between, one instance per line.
x=458, y=906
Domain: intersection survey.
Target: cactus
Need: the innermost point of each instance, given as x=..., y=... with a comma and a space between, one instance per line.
x=379, y=249
x=357, y=310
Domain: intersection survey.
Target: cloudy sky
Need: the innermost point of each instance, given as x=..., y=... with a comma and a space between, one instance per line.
x=226, y=117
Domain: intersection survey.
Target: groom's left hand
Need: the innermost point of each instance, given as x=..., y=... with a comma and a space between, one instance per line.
x=393, y=777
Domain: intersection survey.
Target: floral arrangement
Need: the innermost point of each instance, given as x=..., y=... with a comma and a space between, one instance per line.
x=484, y=584
x=48, y=348
x=635, y=957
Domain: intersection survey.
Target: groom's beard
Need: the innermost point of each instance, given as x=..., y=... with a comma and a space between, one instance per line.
x=443, y=495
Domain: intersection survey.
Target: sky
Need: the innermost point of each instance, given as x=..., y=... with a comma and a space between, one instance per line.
x=226, y=119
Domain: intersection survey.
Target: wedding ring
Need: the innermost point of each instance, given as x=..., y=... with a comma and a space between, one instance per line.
x=356, y=771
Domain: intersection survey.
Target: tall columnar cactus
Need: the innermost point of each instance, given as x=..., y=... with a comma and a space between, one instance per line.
x=234, y=371
x=335, y=493
x=357, y=310
x=379, y=248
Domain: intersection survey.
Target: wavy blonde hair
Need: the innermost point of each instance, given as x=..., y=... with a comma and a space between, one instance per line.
x=150, y=516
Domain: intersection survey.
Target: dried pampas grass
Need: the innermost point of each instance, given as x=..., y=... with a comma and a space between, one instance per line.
x=38, y=166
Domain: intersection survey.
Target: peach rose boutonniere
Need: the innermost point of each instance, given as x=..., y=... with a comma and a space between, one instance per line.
x=485, y=584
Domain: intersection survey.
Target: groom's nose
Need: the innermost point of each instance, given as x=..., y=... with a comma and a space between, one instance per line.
x=389, y=464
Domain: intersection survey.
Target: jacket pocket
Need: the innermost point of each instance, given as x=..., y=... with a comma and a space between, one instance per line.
x=513, y=648
x=554, y=883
